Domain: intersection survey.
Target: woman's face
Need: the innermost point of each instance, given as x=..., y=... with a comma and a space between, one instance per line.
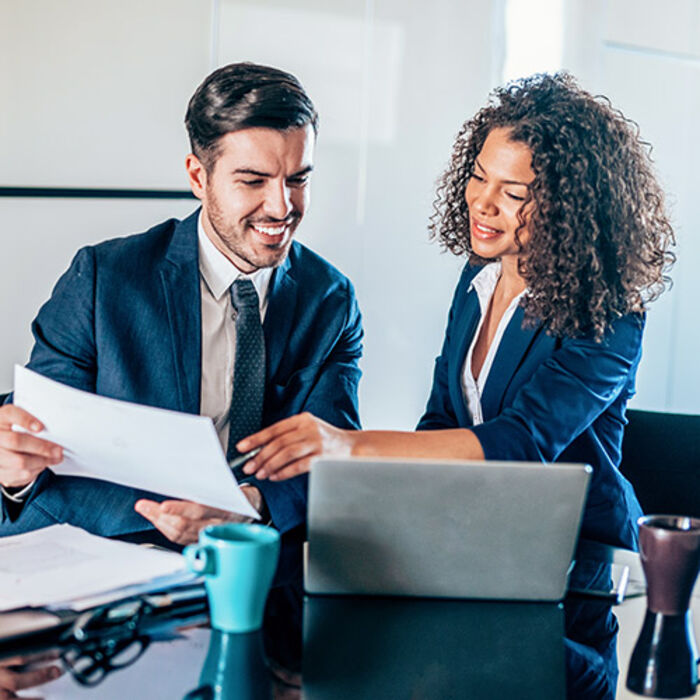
x=495, y=194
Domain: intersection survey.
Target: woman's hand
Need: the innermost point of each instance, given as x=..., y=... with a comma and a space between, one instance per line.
x=289, y=445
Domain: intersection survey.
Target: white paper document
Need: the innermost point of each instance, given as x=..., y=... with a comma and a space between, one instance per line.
x=63, y=563
x=170, y=453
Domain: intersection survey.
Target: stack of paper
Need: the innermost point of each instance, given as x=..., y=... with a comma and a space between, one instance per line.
x=64, y=566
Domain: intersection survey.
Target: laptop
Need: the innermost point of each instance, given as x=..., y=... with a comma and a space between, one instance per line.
x=485, y=530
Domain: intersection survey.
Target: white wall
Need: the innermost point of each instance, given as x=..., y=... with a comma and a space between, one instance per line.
x=94, y=94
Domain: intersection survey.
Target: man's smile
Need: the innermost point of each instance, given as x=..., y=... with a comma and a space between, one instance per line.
x=273, y=233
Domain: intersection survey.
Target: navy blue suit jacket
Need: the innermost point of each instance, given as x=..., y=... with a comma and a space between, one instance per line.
x=548, y=399
x=125, y=321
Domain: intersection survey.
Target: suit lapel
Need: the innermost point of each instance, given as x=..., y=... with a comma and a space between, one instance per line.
x=514, y=345
x=180, y=280
x=281, y=306
x=471, y=313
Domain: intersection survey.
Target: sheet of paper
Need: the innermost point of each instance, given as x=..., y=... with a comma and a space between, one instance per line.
x=175, y=454
x=62, y=563
x=170, y=582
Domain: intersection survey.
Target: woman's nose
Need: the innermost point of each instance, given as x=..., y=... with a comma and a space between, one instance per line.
x=484, y=203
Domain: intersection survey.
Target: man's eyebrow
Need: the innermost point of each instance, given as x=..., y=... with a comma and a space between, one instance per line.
x=303, y=171
x=505, y=182
x=258, y=173
x=250, y=171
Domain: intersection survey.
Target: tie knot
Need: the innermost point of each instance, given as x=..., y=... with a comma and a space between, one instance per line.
x=243, y=294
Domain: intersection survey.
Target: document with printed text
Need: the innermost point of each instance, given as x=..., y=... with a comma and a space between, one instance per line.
x=64, y=563
x=166, y=452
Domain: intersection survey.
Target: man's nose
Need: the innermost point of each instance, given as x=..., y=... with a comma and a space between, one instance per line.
x=278, y=202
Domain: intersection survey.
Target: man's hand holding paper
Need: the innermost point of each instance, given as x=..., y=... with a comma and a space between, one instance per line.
x=23, y=455
x=113, y=440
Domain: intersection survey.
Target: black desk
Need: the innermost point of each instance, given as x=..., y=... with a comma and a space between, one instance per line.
x=440, y=648
x=426, y=649
x=378, y=648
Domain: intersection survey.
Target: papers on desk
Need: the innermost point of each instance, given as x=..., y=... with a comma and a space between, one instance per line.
x=175, y=454
x=62, y=566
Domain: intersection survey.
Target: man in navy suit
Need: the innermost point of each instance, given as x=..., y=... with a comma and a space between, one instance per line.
x=149, y=319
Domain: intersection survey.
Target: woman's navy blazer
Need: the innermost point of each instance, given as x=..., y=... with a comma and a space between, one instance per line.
x=548, y=399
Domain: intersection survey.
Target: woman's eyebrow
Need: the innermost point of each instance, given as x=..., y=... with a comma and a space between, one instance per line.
x=505, y=182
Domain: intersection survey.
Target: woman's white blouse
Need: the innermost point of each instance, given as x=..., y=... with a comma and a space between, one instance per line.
x=484, y=284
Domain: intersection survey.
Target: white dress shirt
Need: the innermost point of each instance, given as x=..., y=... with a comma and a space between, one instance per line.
x=484, y=284
x=217, y=274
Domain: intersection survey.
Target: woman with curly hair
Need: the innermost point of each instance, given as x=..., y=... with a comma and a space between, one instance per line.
x=551, y=196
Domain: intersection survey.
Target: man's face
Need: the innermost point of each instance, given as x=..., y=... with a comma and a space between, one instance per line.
x=255, y=194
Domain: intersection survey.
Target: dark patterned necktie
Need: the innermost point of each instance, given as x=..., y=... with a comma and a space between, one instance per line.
x=245, y=414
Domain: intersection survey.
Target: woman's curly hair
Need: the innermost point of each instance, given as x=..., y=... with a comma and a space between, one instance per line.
x=599, y=233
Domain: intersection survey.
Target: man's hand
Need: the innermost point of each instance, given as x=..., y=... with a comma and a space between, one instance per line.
x=22, y=672
x=23, y=456
x=289, y=445
x=181, y=521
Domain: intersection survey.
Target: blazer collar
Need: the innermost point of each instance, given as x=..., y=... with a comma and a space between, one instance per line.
x=183, y=247
x=471, y=313
x=515, y=345
x=281, y=311
x=183, y=306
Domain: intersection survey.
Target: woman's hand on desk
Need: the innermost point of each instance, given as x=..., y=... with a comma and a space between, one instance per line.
x=289, y=446
x=23, y=456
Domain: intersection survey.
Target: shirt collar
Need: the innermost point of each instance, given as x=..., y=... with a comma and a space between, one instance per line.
x=219, y=273
x=484, y=284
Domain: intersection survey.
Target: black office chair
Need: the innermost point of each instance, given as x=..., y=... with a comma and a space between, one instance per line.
x=661, y=459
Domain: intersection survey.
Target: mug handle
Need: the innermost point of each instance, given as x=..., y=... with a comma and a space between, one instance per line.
x=200, y=558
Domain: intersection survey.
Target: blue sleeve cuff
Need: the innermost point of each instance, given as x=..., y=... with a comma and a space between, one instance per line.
x=503, y=439
x=285, y=500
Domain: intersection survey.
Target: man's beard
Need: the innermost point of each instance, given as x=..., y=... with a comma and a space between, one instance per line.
x=233, y=238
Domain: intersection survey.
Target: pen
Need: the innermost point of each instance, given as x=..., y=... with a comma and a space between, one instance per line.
x=242, y=459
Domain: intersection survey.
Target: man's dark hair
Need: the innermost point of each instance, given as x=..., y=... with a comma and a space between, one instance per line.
x=242, y=96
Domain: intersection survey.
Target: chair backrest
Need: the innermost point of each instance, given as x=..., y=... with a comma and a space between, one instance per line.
x=661, y=459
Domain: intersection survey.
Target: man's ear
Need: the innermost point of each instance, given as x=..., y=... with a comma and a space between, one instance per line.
x=197, y=174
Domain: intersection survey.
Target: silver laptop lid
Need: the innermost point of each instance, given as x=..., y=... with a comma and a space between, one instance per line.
x=495, y=530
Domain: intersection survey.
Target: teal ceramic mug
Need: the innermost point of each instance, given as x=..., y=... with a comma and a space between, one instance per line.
x=238, y=561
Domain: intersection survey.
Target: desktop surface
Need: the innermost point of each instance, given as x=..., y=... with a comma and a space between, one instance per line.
x=402, y=648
